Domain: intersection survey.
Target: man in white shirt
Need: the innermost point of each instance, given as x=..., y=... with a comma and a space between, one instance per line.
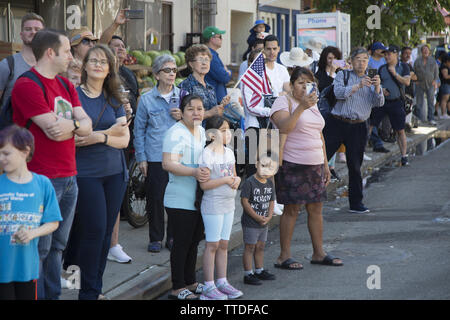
x=276, y=72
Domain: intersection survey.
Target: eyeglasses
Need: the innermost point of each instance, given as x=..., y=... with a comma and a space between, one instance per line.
x=168, y=70
x=87, y=42
x=202, y=60
x=102, y=62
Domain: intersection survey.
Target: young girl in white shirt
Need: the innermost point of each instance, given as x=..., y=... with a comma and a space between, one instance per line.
x=217, y=208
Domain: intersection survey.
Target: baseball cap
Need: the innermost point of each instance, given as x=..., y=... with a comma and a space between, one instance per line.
x=393, y=48
x=378, y=45
x=77, y=35
x=211, y=31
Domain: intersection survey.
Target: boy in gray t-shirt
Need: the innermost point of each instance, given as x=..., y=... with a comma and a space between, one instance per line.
x=258, y=199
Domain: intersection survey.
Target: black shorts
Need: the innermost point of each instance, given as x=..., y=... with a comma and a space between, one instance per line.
x=396, y=112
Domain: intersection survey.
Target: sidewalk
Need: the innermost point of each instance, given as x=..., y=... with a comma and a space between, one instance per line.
x=148, y=276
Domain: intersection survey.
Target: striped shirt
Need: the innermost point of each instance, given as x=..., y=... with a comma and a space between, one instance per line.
x=356, y=106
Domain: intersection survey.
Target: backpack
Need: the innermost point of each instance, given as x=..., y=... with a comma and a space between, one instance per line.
x=10, y=60
x=327, y=99
x=6, y=114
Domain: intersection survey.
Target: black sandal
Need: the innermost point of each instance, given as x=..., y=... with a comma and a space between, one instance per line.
x=183, y=295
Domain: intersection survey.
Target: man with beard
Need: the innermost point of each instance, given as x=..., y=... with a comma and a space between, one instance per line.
x=22, y=61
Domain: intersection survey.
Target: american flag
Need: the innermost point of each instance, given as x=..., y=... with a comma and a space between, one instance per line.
x=256, y=79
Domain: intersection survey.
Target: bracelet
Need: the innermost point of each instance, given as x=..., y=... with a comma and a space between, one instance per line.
x=106, y=139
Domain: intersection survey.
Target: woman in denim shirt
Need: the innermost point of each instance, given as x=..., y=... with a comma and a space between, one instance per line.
x=198, y=59
x=157, y=111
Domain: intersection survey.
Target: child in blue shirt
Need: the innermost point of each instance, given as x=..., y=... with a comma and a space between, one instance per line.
x=28, y=210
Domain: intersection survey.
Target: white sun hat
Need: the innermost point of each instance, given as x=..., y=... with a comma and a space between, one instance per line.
x=316, y=44
x=295, y=58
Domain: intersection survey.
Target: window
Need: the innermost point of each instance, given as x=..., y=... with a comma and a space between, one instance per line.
x=203, y=12
x=166, y=27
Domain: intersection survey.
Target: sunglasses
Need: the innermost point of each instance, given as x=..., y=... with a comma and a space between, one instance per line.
x=168, y=70
x=87, y=42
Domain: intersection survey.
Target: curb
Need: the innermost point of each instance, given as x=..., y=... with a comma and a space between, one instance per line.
x=155, y=281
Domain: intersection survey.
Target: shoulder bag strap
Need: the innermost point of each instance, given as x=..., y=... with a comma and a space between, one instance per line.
x=400, y=88
x=99, y=116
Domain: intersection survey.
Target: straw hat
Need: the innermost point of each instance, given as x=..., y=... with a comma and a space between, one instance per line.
x=77, y=35
x=295, y=58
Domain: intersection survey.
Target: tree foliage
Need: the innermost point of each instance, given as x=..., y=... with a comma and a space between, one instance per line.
x=397, y=17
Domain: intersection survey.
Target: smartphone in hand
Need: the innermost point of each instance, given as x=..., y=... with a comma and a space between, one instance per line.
x=310, y=87
x=372, y=73
x=339, y=63
x=134, y=14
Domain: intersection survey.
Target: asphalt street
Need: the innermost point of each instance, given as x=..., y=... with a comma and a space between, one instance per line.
x=400, y=250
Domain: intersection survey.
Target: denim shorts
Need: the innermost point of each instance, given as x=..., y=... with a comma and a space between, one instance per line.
x=218, y=226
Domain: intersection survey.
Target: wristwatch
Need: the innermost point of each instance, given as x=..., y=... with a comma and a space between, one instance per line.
x=76, y=124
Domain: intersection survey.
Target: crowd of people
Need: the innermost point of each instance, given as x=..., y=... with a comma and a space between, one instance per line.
x=65, y=170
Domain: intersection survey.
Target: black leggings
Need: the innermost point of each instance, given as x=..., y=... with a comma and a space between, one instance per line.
x=188, y=231
x=18, y=290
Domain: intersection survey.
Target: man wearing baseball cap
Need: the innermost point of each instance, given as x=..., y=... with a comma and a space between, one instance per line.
x=394, y=76
x=218, y=75
x=376, y=60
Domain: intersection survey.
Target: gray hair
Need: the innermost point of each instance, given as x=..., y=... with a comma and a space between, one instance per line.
x=357, y=51
x=160, y=61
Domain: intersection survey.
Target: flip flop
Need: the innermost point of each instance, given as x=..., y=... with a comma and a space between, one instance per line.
x=183, y=295
x=286, y=264
x=328, y=261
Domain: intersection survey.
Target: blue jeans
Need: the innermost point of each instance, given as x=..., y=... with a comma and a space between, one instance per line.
x=375, y=138
x=421, y=109
x=98, y=204
x=52, y=246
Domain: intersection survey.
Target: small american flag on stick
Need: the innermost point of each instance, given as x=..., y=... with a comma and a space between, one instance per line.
x=255, y=78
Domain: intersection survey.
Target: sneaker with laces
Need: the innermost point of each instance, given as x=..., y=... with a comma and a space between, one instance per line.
x=230, y=291
x=404, y=161
x=117, y=254
x=359, y=209
x=334, y=176
x=213, y=293
x=252, y=279
x=265, y=275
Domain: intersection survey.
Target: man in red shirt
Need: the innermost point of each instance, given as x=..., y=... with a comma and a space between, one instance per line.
x=56, y=116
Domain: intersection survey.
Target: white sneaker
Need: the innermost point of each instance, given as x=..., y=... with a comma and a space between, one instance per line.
x=445, y=116
x=118, y=255
x=367, y=158
x=65, y=284
x=278, y=209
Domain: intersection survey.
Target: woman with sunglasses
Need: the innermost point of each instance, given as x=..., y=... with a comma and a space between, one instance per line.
x=102, y=171
x=157, y=111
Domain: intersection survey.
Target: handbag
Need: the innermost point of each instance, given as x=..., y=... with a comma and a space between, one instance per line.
x=264, y=122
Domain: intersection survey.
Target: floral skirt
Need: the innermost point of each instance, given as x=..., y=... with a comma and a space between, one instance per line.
x=300, y=184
